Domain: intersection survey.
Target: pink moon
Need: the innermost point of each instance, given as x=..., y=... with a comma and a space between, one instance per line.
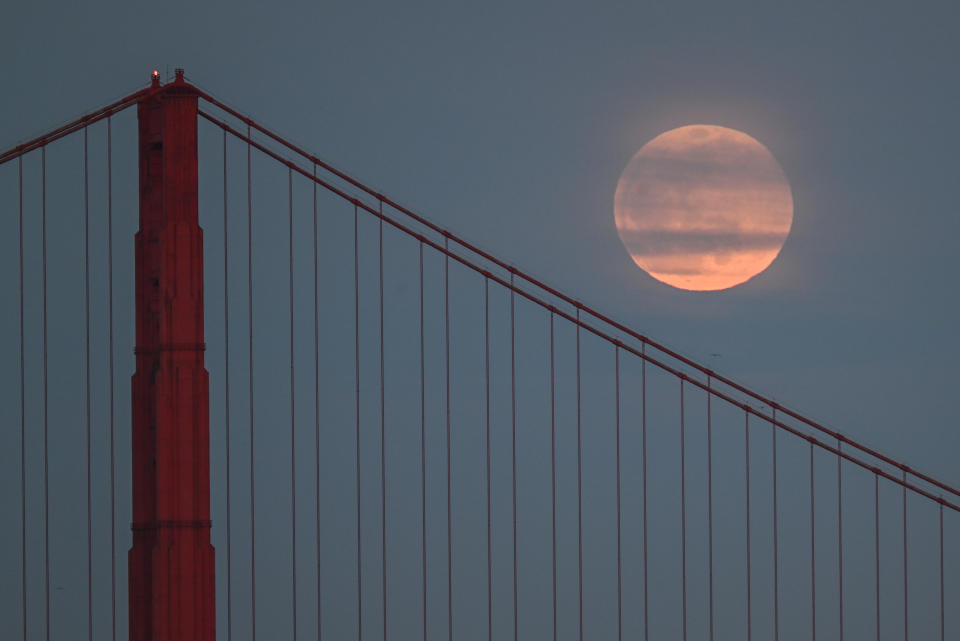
x=703, y=208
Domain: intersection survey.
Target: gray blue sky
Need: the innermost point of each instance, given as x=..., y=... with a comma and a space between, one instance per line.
x=510, y=123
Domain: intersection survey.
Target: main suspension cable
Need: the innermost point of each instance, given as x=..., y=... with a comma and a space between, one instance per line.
x=546, y=288
x=641, y=352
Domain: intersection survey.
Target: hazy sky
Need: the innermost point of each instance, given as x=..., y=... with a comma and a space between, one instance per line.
x=510, y=123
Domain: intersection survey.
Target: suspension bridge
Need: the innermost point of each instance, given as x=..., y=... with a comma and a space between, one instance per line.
x=401, y=436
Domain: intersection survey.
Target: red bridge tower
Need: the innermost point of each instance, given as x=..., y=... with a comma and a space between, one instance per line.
x=171, y=562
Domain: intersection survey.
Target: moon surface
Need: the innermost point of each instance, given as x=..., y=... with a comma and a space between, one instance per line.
x=703, y=207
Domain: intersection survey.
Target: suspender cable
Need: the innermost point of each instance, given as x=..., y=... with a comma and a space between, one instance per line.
x=513, y=447
x=356, y=334
x=906, y=594
x=616, y=355
x=579, y=493
x=423, y=461
x=746, y=433
x=23, y=414
x=383, y=436
x=486, y=375
x=46, y=405
x=813, y=554
x=316, y=399
x=86, y=358
x=942, y=613
x=113, y=503
x=643, y=464
x=776, y=539
x=683, y=519
x=840, y=534
x=253, y=546
x=226, y=380
x=446, y=369
x=553, y=467
x=876, y=544
x=710, y=502
x=293, y=422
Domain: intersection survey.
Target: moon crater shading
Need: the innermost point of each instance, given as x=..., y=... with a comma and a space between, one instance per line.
x=703, y=207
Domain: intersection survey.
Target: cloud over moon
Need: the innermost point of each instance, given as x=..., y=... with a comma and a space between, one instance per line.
x=703, y=207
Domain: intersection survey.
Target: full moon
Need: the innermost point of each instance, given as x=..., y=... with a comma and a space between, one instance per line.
x=703, y=207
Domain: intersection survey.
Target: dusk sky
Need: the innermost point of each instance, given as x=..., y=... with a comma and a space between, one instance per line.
x=510, y=123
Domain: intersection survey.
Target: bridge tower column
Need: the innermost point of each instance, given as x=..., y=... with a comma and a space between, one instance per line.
x=171, y=563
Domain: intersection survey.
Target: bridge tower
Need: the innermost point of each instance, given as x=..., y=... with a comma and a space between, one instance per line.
x=172, y=561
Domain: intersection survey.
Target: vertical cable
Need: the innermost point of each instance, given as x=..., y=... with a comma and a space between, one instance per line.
x=643, y=464
x=906, y=594
x=579, y=493
x=356, y=334
x=876, y=543
x=840, y=533
x=253, y=547
x=46, y=422
x=293, y=448
x=942, y=612
x=383, y=436
x=710, y=500
x=616, y=354
x=446, y=341
x=776, y=538
x=113, y=510
x=683, y=517
x=486, y=374
x=813, y=554
x=316, y=395
x=86, y=358
x=746, y=432
x=553, y=466
x=23, y=415
x=226, y=385
x=423, y=461
x=513, y=447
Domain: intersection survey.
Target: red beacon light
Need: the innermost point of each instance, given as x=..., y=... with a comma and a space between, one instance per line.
x=155, y=78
